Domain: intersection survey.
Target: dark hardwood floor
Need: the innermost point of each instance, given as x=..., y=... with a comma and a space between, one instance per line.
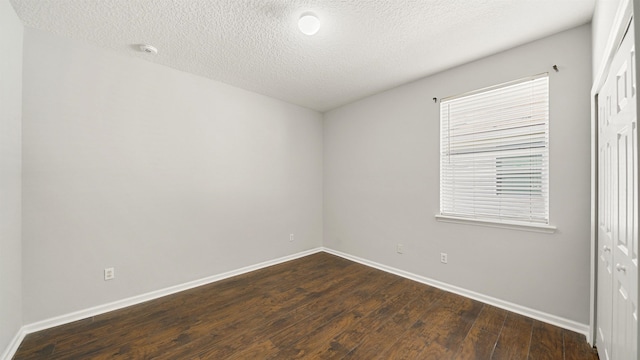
x=317, y=307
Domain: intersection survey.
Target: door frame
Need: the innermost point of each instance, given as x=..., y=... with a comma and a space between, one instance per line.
x=619, y=27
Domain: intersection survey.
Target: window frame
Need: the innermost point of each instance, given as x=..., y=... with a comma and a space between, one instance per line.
x=519, y=224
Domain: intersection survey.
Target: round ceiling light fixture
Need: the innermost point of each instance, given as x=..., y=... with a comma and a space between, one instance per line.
x=309, y=24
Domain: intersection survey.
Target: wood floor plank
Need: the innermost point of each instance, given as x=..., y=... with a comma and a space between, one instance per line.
x=447, y=331
x=441, y=331
x=414, y=340
x=515, y=338
x=273, y=331
x=272, y=317
x=478, y=345
x=317, y=341
x=491, y=319
x=347, y=340
x=546, y=342
x=261, y=350
x=577, y=348
x=317, y=307
x=483, y=336
x=286, y=340
x=388, y=333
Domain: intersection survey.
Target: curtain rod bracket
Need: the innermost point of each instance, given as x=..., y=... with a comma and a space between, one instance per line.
x=555, y=67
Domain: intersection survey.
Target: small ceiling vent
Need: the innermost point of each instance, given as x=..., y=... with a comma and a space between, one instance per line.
x=148, y=49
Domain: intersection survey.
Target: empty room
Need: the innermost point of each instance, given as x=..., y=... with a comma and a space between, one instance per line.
x=330, y=179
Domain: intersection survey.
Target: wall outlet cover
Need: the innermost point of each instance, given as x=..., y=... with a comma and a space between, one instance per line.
x=109, y=273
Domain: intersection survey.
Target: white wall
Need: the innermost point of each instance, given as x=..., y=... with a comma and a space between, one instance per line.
x=11, y=33
x=165, y=176
x=381, y=184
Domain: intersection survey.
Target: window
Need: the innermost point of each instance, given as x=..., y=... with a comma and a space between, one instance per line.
x=494, y=154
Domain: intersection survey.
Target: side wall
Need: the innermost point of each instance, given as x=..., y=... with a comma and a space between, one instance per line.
x=11, y=33
x=381, y=178
x=165, y=176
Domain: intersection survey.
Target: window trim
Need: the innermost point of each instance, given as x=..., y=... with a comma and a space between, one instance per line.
x=513, y=225
x=497, y=86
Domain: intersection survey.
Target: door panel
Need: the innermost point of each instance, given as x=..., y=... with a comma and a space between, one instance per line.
x=605, y=239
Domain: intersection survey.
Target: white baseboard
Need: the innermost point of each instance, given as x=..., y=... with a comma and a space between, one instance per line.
x=116, y=305
x=13, y=345
x=518, y=309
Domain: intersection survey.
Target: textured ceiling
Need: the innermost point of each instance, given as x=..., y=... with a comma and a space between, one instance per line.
x=363, y=46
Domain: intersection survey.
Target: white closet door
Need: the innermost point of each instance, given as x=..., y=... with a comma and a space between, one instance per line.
x=617, y=297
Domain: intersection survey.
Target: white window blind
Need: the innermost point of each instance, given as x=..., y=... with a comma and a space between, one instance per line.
x=494, y=153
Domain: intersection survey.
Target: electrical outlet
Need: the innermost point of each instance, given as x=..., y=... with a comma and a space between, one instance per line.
x=291, y=237
x=443, y=258
x=109, y=273
x=400, y=248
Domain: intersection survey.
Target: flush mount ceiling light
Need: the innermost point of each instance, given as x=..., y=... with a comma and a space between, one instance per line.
x=148, y=49
x=309, y=23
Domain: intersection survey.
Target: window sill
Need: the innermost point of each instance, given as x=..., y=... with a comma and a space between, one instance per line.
x=539, y=228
